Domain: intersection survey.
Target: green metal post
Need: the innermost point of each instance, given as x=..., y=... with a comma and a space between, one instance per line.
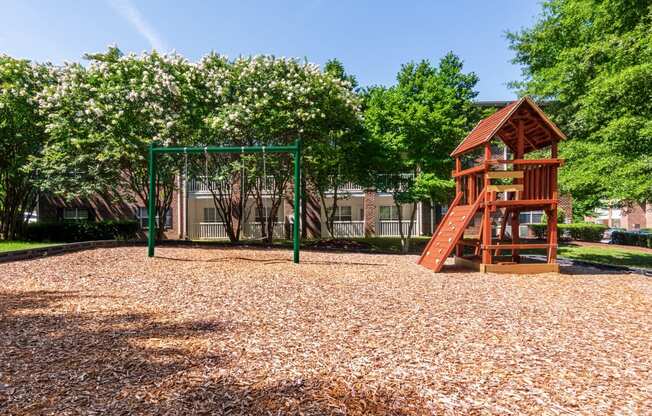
x=151, y=206
x=297, y=200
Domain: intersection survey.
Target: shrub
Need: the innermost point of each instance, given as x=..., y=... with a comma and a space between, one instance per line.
x=576, y=231
x=73, y=231
x=583, y=231
x=539, y=230
x=632, y=239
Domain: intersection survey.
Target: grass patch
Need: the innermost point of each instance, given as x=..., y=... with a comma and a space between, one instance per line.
x=607, y=255
x=20, y=245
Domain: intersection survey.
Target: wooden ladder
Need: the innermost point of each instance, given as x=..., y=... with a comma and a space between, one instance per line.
x=448, y=233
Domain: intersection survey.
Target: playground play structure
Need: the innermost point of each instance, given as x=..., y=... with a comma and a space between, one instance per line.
x=294, y=149
x=496, y=187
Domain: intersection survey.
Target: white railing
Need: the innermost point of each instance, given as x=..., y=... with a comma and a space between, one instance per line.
x=347, y=187
x=198, y=185
x=346, y=229
x=217, y=231
x=207, y=231
x=388, y=228
x=254, y=230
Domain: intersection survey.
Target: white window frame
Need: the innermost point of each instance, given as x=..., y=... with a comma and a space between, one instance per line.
x=393, y=212
x=77, y=214
x=213, y=216
x=529, y=215
x=343, y=213
x=143, y=217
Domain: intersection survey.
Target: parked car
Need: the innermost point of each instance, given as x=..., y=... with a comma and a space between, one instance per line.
x=607, y=236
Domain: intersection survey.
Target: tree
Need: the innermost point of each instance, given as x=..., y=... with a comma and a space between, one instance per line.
x=593, y=61
x=417, y=124
x=265, y=101
x=22, y=134
x=102, y=120
x=340, y=156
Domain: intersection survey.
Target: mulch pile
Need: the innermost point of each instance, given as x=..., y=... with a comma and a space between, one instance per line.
x=244, y=331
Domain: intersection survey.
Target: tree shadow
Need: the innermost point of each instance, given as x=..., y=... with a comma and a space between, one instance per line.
x=53, y=361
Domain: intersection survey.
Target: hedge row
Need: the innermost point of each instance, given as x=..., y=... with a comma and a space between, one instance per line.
x=73, y=231
x=577, y=231
x=632, y=239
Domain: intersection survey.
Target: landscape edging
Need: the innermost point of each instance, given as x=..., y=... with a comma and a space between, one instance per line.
x=40, y=252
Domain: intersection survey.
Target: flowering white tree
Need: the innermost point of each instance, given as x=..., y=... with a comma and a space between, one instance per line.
x=102, y=119
x=22, y=134
x=264, y=101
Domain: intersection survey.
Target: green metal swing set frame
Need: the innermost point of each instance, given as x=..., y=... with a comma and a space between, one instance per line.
x=295, y=150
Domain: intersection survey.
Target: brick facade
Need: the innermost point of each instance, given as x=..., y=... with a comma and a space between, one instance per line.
x=370, y=212
x=634, y=216
x=566, y=206
x=109, y=206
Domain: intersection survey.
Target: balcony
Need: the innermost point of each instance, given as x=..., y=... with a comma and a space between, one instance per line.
x=199, y=186
x=217, y=231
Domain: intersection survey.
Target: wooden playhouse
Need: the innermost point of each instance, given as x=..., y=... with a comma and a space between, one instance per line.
x=497, y=177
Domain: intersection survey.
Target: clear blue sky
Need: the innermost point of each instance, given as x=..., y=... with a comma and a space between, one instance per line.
x=371, y=38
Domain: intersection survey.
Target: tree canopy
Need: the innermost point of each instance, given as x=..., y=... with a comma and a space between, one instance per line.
x=22, y=135
x=417, y=123
x=592, y=61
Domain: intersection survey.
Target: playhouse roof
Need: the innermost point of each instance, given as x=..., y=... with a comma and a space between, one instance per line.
x=539, y=131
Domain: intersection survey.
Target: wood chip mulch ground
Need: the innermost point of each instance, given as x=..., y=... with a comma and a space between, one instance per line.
x=244, y=331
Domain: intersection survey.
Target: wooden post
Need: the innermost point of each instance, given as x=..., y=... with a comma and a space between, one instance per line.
x=458, y=189
x=520, y=151
x=552, y=217
x=552, y=234
x=515, y=224
x=486, y=219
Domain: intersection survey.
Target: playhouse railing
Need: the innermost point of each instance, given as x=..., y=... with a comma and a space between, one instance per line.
x=538, y=181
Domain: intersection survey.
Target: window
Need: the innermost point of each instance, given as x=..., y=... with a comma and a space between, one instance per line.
x=266, y=213
x=531, y=217
x=342, y=213
x=388, y=213
x=76, y=214
x=211, y=215
x=143, y=217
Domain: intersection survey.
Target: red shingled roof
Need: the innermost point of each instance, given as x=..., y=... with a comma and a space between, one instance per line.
x=539, y=134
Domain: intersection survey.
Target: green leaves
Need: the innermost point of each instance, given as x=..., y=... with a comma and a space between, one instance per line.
x=419, y=122
x=593, y=59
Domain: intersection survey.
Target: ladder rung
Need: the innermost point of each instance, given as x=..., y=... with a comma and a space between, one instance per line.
x=505, y=174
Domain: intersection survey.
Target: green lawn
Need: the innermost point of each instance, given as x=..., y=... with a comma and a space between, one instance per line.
x=607, y=255
x=20, y=245
x=604, y=255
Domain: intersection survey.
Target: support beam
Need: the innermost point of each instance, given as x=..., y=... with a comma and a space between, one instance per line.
x=486, y=220
x=515, y=235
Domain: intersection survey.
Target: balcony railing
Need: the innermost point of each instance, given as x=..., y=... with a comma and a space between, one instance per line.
x=207, y=231
x=254, y=230
x=197, y=185
x=343, y=229
x=217, y=231
x=390, y=228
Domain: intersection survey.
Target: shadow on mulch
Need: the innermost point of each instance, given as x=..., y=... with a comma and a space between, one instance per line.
x=53, y=361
